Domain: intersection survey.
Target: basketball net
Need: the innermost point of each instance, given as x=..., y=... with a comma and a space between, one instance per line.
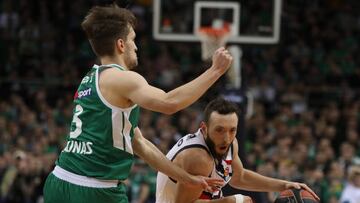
x=213, y=37
x=216, y=36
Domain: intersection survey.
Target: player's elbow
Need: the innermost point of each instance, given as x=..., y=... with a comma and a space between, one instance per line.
x=237, y=181
x=169, y=112
x=170, y=107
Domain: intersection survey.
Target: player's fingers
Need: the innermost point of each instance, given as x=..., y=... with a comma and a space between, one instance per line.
x=212, y=189
x=204, y=185
x=297, y=186
x=200, y=181
x=221, y=49
x=225, y=52
x=291, y=185
x=229, y=57
x=214, y=182
x=309, y=190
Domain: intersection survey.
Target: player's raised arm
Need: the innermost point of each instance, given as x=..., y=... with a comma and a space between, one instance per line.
x=134, y=87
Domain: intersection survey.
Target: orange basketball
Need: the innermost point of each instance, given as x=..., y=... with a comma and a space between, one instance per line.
x=295, y=196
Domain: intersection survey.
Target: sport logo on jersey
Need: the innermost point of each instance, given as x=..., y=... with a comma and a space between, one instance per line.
x=82, y=93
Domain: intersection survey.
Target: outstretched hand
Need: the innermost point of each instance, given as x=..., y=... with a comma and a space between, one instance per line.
x=208, y=184
x=291, y=185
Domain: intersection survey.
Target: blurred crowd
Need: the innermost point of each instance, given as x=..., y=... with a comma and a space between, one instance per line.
x=306, y=119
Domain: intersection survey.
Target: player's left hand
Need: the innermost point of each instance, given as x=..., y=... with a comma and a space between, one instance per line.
x=291, y=185
x=208, y=184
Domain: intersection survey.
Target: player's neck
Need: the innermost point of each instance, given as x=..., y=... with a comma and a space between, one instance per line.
x=113, y=60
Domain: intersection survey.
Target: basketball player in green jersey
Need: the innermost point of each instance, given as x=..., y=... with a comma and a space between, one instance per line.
x=104, y=135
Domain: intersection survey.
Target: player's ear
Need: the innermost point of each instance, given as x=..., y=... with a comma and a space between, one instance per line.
x=203, y=127
x=120, y=45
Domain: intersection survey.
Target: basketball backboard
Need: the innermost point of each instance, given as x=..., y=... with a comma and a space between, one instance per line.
x=252, y=21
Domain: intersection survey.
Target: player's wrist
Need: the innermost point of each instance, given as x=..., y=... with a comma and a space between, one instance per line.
x=188, y=179
x=239, y=198
x=285, y=185
x=216, y=70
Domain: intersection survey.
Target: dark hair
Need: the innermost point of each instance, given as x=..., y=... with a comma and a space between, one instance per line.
x=106, y=24
x=221, y=106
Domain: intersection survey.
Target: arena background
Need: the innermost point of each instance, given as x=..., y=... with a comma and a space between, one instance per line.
x=306, y=120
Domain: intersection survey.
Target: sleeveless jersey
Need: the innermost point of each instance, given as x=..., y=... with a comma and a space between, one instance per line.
x=99, y=142
x=166, y=187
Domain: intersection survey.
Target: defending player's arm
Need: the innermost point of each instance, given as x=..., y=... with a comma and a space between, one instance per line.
x=151, y=155
x=197, y=162
x=130, y=85
x=249, y=180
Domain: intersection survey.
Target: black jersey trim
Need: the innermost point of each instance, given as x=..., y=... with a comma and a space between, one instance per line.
x=191, y=146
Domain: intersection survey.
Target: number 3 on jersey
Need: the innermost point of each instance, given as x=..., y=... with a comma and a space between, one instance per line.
x=77, y=121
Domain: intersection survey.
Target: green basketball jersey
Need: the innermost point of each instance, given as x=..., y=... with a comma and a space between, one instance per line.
x=99, y=142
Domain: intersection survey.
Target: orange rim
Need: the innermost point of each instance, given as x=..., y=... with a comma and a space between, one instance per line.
x=216, y=32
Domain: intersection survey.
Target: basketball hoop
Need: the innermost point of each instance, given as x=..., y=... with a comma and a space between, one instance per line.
x=211, y=39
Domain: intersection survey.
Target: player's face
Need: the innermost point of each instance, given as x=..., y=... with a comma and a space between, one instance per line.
x=131, y=60
x=220, y=132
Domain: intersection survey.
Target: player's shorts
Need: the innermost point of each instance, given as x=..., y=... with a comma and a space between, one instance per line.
x=57, y=190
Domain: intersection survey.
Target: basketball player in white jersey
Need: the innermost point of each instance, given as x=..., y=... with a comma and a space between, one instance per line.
x=213, y=151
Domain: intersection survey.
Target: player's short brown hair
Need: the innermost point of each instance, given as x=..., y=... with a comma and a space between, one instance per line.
x=221, y=106
x=104, y=25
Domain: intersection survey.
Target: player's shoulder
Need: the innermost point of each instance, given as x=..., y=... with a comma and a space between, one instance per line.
x=125, y=79
x=196, y=161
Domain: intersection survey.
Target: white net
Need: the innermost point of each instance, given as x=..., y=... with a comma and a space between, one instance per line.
x=213, y=37
x=210, y=42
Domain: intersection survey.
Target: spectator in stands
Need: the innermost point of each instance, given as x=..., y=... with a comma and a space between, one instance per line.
x=351, y=192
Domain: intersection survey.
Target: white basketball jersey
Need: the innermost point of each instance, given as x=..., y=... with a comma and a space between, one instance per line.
x=165, y=186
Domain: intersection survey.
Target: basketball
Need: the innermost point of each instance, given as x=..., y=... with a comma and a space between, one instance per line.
x=295, y=196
